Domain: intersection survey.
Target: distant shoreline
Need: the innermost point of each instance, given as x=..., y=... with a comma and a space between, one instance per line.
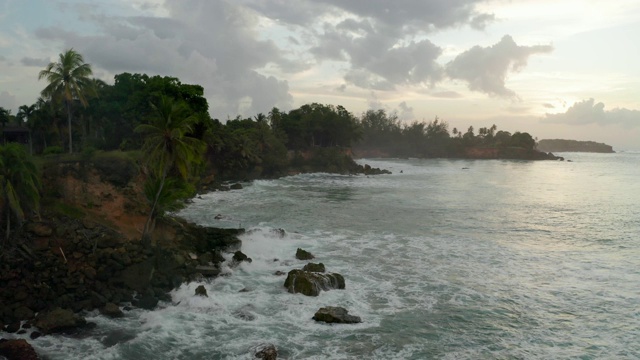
x=562, y=145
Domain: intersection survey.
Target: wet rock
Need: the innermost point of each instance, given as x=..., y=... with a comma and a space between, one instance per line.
x=17, y=349
x=337, y=315
x=279, y=273
x=303, y=255
x=245, y=313
x=236, y=186
x=280, y=233
x=34, y=335
x=117, y=337
x=147, y=302
x=201, y=291
x=266, y=352
x=310, y=283
x=208, y=271
x=312, y=267
x=59, y=321
x=239, y=257
x=138, y=276
x=13, y=327
x=111, y=310
x=23, y=313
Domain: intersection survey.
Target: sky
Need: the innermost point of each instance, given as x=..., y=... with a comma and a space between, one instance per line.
x=554, y=68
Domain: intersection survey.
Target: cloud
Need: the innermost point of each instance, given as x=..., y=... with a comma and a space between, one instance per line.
x=27, y=61
x=405, y=112
x=548, y=106
x=446, y=94
x=212, y=43
x=486, y=68
x=8, y=100
x=589, y=112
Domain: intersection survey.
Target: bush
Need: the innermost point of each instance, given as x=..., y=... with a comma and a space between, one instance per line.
x=53, y=150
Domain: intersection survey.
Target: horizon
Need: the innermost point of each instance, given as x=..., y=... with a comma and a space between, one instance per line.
x=555, y=70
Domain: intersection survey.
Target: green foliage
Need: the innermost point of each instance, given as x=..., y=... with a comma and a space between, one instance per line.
x=19, y=183
x=53, y=150
x=115, y=167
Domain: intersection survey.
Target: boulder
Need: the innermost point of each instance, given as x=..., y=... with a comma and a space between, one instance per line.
x=337, y=315
x=267, y=352
x=310, y=283
x=239, y=257
x=208, y=271
x=303, y=255
x=111, y=310
x=59, y=321
x=17, y=349
x=312, y=267
x=201, y=291
x=236, y=186
x=40, y=229
x=147, y=302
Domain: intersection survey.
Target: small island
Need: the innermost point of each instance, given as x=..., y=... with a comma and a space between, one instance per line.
x=562, y=145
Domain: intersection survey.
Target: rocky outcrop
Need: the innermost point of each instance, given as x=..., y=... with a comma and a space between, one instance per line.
x=312, y=267
x=78, y=264
x=17, y=349
x=311, y=284
x=335, y=315
x=239, y=257
x=304, y=255
x=368, y=170
x=562, y=145
x=111, y=310
x=266, y=352
x=201, y=291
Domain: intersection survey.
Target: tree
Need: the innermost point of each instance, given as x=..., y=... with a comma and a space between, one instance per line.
x=24, y=115
x=167, y=148
x=69, y=80
x=19, y=183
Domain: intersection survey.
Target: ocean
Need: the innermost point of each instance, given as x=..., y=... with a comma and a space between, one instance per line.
x=443, y=259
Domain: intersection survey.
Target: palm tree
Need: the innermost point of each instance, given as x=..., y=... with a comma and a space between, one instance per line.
x=69, y=80
x=19, y=183
x=167, y=149
x=26, y=113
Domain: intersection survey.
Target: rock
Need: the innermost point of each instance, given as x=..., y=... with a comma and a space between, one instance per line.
x=303, y=255
x=147, y=302
x=13, y=327
x=239, y=256
x=337, y=315
x=40, y=229
x=267, y=352
x=312, y=267
x=138, y=276
x=117, y=337
x=58, y=321
x=279, y=232
x=17, y=349
x=35, y=334
x=208, y=271
x=201, y=291
x=236, y=186
x=23, y=313
x=111, y=310
x=279, y=273
x=310, y=283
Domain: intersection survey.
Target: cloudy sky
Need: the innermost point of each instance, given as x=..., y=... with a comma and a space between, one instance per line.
x=554, y=68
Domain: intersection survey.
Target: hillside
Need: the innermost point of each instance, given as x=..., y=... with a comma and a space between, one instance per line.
x=561, y=145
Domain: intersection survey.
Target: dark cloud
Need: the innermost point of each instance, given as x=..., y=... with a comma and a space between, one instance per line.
x=548, y=106
x=486, y=68
x=481, y=21
x=27, y=61
x=589, y=112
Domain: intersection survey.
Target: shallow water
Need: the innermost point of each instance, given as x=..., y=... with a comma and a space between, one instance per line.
x=505, y=259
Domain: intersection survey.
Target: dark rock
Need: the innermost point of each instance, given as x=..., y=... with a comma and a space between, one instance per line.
x=59, y=321
x=111, y=310
x=117, y=337
x=310, y=283
x=147, y=302
x=236, y=186
x=138, y=276
x=278, y=232
x=35, y=334
x=13, y=327
x=201, y=291
x=23, y=313
x=312, y=267
x=279, y=273
x=208, y=271
x=303, y=255
x=337, y=315
x=267, y=352
x=18, y=349
x=39, y=229
x=239, y=256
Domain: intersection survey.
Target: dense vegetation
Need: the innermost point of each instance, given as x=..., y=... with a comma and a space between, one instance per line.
x=180, y=142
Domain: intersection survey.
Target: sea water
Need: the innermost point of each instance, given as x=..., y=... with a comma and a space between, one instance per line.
x=443, y=259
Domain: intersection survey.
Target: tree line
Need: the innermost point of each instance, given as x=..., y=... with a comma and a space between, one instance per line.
x=169, y=122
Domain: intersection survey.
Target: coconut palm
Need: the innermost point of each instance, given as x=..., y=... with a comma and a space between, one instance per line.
x=26, y=113
x=19, y=183
x=167, y=149
x=69, y=80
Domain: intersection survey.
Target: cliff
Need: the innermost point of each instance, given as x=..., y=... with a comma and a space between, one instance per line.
x=561, y=145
